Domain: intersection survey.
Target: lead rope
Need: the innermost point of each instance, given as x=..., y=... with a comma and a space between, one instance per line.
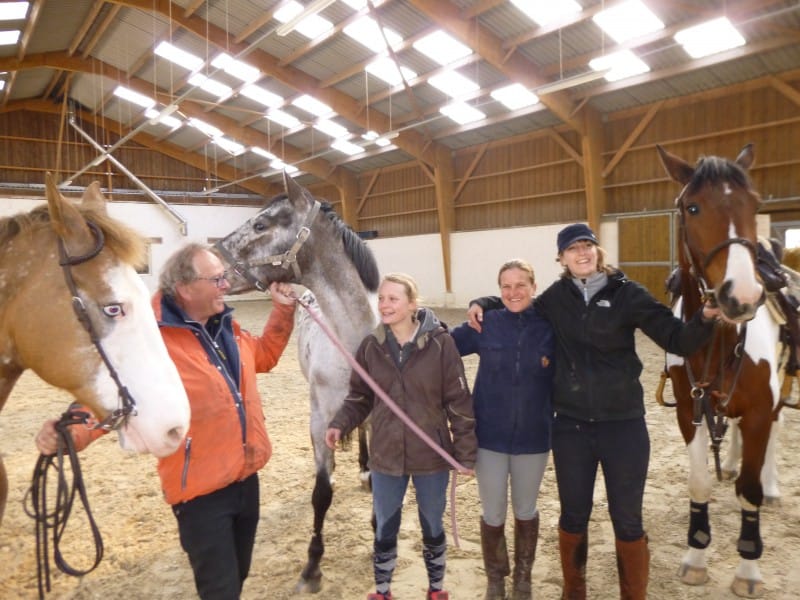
x=396, y=410
x=64, y=497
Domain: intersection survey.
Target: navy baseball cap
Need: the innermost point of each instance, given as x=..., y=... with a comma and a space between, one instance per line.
x=575, y=233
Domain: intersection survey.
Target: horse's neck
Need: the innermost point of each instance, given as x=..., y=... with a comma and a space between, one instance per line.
x=343, y=299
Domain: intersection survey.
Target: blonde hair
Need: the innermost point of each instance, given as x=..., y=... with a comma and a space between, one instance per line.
x=602, y=265
x=408, y=283
x=517, y=263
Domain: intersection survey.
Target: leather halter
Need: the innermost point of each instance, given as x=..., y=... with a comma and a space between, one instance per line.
x=118, y=417
x=285, y=260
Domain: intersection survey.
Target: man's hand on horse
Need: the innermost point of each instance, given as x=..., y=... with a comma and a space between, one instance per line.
x=332, y=437
x=711, y=311
x=47, y=438
x=475, y=317
x=282, y=292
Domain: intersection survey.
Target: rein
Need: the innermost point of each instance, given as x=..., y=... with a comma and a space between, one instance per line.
x=64, y=498
x=285, y=260
x=118, y=417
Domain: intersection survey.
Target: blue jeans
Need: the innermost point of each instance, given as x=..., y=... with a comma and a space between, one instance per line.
x=387, y=502
x=622, y=448
x=217, y=532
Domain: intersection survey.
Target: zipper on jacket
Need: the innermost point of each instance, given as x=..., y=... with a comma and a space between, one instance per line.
x=187, y=455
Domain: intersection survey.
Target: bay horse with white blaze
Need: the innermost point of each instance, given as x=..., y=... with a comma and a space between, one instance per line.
x=74, y=310
x=296, y=238
x=736, y=375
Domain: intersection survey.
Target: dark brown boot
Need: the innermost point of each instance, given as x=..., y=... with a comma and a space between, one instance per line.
x=495, y=560
x=526, y=535
x=633, y=566
x=574, y=548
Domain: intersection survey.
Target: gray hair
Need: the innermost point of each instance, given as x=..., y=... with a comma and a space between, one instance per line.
x=179, y=268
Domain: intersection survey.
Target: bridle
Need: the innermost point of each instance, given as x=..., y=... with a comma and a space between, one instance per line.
x=119, y=416
x=285, y=260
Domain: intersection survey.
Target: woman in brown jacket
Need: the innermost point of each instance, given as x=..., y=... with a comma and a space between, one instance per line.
x=415, y=361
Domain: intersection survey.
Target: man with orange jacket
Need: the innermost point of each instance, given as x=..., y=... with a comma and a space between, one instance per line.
x=212, y=483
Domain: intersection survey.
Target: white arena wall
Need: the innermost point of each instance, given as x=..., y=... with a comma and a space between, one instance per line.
x=475, y=256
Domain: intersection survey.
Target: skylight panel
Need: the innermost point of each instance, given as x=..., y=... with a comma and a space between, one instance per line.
x=212, y=86
x=453, y=83
x=442, y=47
x=13, y=11
x=279, y=165
x=157, y=117
x=2, y=84
x=264, y=153
x=621, y=64
x=627, y=20
x=312, y=105
x=515, y=96
x=365, y=31
x=283, y=118
x=128, y=94
x=230, y=146
x=347, y=147
x=332, y=128
x=237, y=68
x=9, y=38
x=710, y=37
x=262, y=96
x=178, y=56
x=355, y=4
x=311, y=27
x=386, y=69
x=543, y=12
x=461, y=113
x=204, y=127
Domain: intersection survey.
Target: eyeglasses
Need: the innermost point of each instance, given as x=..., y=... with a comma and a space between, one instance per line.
x=218, y=281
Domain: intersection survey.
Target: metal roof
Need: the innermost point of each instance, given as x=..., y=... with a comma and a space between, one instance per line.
x=103, y=44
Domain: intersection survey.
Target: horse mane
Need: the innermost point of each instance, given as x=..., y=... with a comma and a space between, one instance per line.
x=713, y=170
x=125, y=243
x=355, y=249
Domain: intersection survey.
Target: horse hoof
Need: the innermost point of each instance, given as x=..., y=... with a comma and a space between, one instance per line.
x=308, y=586
x=728, y=475
x=774, y=501
x=693, y=575
x=747, y=588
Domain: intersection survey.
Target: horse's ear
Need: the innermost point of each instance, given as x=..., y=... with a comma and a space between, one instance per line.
x=677, y=168
x=746, y=156
x=93, y=198
x=294, y=191
x=66, y=219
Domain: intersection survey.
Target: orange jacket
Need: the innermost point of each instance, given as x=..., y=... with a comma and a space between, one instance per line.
x=224, y=444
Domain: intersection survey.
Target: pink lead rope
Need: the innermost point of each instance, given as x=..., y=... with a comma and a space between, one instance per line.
x=396, y=410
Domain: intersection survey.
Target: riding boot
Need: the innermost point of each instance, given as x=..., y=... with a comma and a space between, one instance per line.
x=495, y=560
x=434, y=551
x=574, y=548
x=384, y=560
x=526, y=536
x=633, y=565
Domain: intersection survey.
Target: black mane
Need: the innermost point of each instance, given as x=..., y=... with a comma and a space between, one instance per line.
x=357, y=251
x=713, y=170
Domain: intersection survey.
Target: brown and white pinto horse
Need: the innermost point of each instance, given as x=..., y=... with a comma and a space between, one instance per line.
x=736, y=375
x=67, y=276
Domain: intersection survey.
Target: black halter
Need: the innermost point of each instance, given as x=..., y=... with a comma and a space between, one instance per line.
x=118, y=417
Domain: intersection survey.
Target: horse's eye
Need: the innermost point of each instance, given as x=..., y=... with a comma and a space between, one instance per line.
x=259, y=227
x=693, y=209
x=113, y=311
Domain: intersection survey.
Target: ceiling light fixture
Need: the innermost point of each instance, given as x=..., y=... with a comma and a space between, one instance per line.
x=309, y=11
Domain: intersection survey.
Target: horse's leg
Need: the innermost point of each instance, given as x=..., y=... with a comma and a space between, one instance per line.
x=363, y=457
x=769, y=472
x=3, y=489
x=694, y=569
x=321, y=497
x=8, y=377
x=730, y=466
x=748, y=582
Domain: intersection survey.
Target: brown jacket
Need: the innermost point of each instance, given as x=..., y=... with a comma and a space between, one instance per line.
x=430, y=387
